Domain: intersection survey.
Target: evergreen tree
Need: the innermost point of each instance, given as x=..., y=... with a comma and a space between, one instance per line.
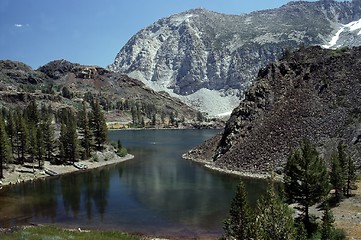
x=327, y=223
x=11, y=129
x=39, y=146
x=22, y=137
x=68, y=140
x=306, y=180
x=85, y=131
x=301, y=233
x=32, y=142
x=274, y=218
x=65, y=92
x=62, y=144
x=337, y=177
x=72, y=139
x=342, y=158
x=351, y=176
x=154, y=120
x=5, y=150
x=31, y=113
x=348, y=170
x=134, y=116
x=238, y=224
x=48, y=139
x=99, y=126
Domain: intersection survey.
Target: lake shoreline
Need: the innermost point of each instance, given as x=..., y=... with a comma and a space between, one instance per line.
x=209, y=165
x=15, y=174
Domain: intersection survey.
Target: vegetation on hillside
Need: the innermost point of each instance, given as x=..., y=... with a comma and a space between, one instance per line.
x=33, y=134
x=306, y=183
x=126, y=102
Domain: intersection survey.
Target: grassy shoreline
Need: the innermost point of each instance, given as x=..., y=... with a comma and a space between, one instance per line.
x=51, y=232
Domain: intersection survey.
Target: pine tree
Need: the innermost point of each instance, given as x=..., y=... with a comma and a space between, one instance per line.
x=238, y=224
x=22, y=137
x=11, y=129
x=72, y=150
x=99, y=126
x=351, y=176
x=337, y=177
x=154, y=120
x=5, y=150
x=31, y=113
x=306, y=180
x=65, y=92
x=327, y=223
x=32, y=142
x=274, y=218
x=48, y=139
x=342, y=158
x=68, y=143
x=85, y=131
x=39, y=146
x=62, y=144
x=348, y=170
x=134, y=116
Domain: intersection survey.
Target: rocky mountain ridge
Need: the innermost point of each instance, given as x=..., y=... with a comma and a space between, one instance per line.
x=313, y=93
x=200, y=49
x=63, y=84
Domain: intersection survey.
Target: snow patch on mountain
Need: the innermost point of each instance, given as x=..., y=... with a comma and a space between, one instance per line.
x=353, y=26
x=344, y=29
x=334, y=39
x=203, y=52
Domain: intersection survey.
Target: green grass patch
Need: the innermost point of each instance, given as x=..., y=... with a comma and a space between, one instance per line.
x=54, y=233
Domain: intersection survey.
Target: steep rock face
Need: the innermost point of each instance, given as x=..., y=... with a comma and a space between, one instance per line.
x=313, y=93
x=202, y=49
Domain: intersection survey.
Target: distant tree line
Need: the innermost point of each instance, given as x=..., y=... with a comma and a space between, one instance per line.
x=307, y=182
x=29, y=134
x=144, y=113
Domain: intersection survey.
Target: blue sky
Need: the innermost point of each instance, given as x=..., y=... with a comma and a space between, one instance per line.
x=91, y=32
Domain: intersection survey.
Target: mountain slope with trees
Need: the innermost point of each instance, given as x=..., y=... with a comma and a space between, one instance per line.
x=64, y=84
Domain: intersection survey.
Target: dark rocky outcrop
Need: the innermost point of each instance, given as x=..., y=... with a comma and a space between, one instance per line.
x=313, y=93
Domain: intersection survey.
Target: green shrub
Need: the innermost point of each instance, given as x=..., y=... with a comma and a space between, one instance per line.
x=122, y=152
x=338, y=234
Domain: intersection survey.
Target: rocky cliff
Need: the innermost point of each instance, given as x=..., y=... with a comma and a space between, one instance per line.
x=313, y=93
x=200, y=49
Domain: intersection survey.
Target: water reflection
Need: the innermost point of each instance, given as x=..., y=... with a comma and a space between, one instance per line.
x=61, y=199
x=157, y=192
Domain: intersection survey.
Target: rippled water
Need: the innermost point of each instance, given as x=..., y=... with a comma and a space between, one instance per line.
x=158, y=192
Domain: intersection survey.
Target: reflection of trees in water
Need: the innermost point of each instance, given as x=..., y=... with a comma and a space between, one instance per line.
x=46, y=193
x=36, y=199
x=70, y=187
x=183, y=191
x=86, y=190
x=101, y=191
x=39, y=199
x=179, y=191
x=88, y=194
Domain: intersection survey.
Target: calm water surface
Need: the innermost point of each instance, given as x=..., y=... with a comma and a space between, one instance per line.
x=158, y=192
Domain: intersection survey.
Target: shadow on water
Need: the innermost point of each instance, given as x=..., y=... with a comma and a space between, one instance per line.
x=158, y=192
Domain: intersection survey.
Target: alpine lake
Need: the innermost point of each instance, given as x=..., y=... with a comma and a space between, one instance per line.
x=157, y=193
